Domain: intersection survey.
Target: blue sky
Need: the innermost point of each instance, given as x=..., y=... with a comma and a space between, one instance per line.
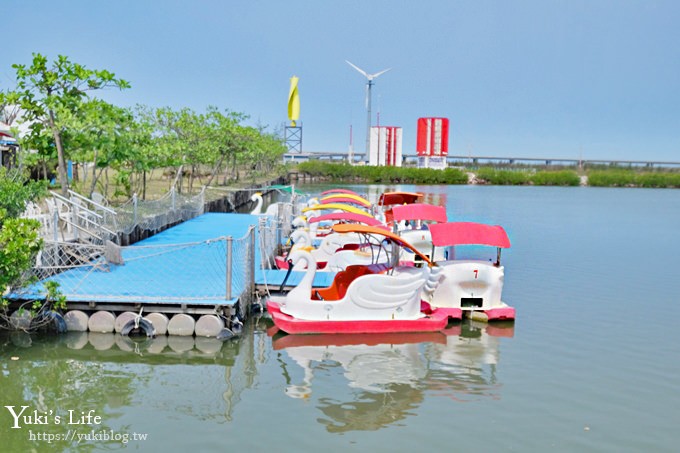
x=548, y=78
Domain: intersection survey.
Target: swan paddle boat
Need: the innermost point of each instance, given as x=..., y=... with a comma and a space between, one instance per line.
x=307, y=232
x=319, y=224
x=276, y=210
x=375, y=298
x=334, y=252
x=389, y=199
x=472, y=285
x=409, y=223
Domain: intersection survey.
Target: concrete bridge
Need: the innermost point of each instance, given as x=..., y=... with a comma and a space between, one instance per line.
x=478, y=160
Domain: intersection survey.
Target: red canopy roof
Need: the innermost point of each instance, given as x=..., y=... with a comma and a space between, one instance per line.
x=468, y=233
x=419, y=211
x=390, y=198
x=346, y=217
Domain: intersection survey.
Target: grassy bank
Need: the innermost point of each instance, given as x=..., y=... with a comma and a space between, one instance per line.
x=525, y=177
x=629, y=178
x=343, y=172
x=359, y=173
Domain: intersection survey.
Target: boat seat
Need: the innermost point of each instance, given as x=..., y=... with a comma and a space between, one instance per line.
x=342, y=280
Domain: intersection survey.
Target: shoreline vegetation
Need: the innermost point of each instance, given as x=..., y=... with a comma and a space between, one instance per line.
x=599, y=177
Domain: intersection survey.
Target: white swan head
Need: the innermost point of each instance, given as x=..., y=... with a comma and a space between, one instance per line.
x=256, y=197
x=301, y=238
x=302, y=292
x=300, y=222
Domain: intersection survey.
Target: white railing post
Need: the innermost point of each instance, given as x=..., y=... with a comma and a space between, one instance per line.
x=202, y=199
x=229, y=266
x=251, y=283
x=55, y=223
x=134, y=205
x=75, y=218
x=264, y=252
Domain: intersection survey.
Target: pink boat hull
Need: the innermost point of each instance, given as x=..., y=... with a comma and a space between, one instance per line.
x=500, y=314
x=436, y=321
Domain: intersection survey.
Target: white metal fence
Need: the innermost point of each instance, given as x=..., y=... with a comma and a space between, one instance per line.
x=80, y=252
x=210, y=272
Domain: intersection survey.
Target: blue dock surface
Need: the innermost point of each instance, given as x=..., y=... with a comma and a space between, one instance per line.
x=273, y=278
x=180, y=265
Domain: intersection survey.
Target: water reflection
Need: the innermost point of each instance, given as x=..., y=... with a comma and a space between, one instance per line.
x=464, y=368
x=38, y=377
x=354, y=382
x=388, y=376
x=115, y=375
x=116, y=345
x=430, y=197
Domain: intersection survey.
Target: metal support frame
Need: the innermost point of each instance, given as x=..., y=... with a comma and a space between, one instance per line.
x=250, y=287
x=294, y=139
x=230, y=246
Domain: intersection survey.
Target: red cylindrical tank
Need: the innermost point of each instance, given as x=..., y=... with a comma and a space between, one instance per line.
x=433, y=137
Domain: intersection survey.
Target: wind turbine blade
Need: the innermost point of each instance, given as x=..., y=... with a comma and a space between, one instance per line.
x=366, y=97
x=373, y=76
x=357, y=68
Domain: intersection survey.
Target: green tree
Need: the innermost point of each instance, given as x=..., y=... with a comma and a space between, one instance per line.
x=19, y=240
x=108, y=137
x=178, y=137
x=47, y=92
x=43, y=156
x=266, y=150
x=8, y=111
x=190, y=139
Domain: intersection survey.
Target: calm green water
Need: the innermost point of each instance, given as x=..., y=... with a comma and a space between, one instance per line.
x=591, y=364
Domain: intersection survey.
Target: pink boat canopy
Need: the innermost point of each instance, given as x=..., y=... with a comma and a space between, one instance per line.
x=419, y=211
x=340, y=199
x=468, y=233
x=346, y=217
x=330, y=191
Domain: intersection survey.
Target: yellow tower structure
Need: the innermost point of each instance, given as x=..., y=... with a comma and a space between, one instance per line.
x=294, y=131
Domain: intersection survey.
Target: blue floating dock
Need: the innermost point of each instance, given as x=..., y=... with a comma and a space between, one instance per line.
x=180, y=265
x=272, y=278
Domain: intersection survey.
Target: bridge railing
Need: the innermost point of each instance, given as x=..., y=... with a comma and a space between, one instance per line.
x=476, y=160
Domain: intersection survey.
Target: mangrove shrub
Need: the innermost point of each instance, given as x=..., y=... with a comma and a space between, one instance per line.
x=381, y=174
x=556, y=178
x=503, y=177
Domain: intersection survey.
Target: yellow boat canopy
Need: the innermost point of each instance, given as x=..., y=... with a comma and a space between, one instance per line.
x=344, y=196
x=343, y=207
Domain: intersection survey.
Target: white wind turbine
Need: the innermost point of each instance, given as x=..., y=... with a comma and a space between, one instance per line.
x=369, y=84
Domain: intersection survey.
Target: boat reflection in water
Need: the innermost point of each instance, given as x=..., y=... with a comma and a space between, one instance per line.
x=464, y=368
x=389, y=375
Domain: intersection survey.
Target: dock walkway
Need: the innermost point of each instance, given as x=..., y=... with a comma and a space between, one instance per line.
x=185, y=265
